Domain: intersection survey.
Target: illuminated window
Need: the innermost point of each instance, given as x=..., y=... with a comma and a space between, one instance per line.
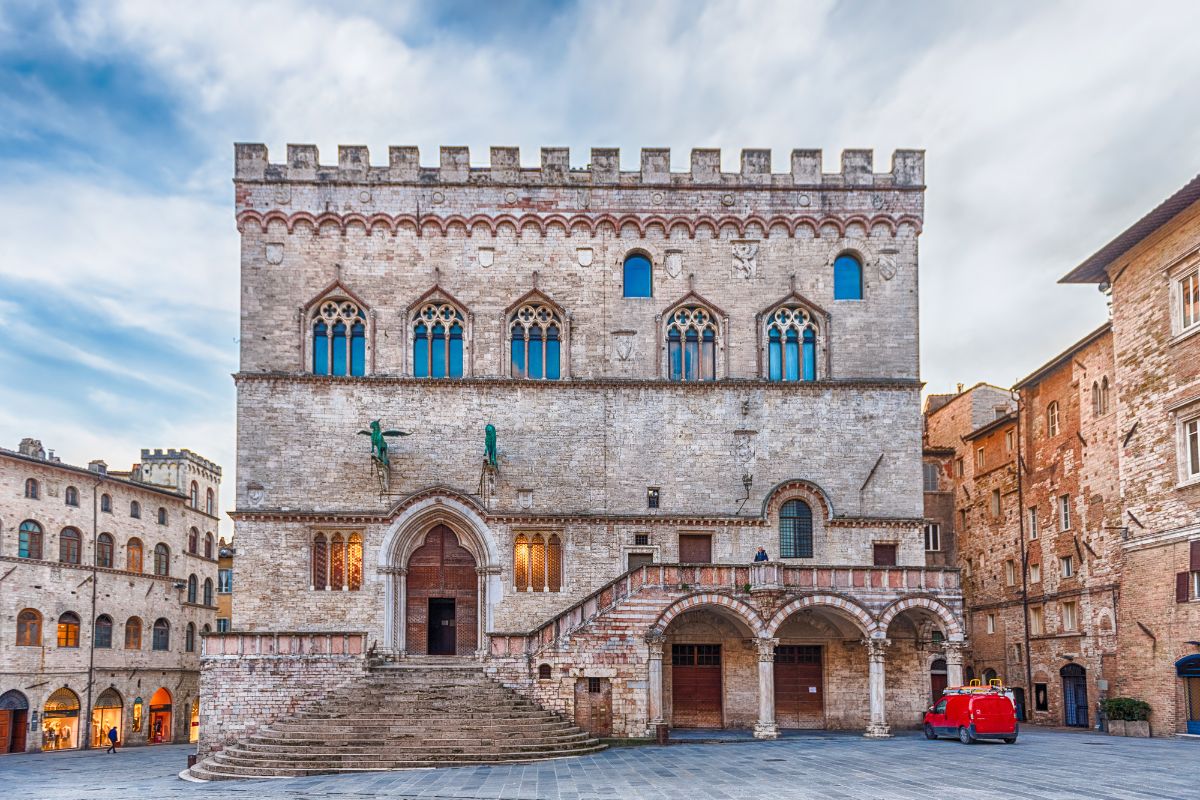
x=537, y=562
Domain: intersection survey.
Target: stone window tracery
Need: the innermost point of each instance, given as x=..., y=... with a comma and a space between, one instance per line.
x=791, y=344
x=692, y=344
x=339, y=338
x=536, y=332
x=438, y=329
x=537, y=562
x=336, y=561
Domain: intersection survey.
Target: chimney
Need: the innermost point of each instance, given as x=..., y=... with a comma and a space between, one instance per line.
x=960, y=388
x=31, y=447
x=98, y=466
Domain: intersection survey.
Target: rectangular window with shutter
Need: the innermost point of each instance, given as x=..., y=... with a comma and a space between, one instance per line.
x=930, y=473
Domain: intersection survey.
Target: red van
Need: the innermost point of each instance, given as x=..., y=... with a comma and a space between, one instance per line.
x=971, y=715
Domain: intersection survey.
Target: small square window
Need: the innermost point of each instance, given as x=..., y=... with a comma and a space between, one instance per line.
x=933, y=537
x=652, y=497
x=641, y=539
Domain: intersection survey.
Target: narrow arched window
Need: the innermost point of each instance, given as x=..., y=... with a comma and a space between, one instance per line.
x=106, y=503
x=791, y=345
x=438, y=341
x=68, y=630
x=1095, y=398
x=133, y=634
x=337, y=561
x=210, y=503
x=1104, y=395
x=162, y=559
x=162, y=516
x=135, y=509
x=320, y=561
x=192, y=588
x=536, y=332
x=189, y=643
x=544, y=672
x=847, y=278
x=162, y=635
x=1052, y=419
x=537, y=562
x=795, y=530
x=339, y=338
x=104, y=550
x=69, y=545
x=194, y=495
x=103, y=631
x=354, y=565
x=31, y=488
x=208, y=592
x=72, y=496
x=692, y=344
x=29, y=628
x=637, y=277
x=193, y=540
x=29, y=544
x=133, y=555
x=208, y=545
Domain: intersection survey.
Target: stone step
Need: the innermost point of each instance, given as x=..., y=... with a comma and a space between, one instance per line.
x=316, y=766
x=392, y=750
x=318, y=733
x=406, y=740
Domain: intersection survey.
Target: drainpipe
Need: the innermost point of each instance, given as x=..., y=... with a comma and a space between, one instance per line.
x=91, y=674
x=1024, y=558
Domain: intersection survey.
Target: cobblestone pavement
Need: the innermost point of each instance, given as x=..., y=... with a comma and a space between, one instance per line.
x=822, y=765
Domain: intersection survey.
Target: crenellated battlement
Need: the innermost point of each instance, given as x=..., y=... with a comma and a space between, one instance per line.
x=454, y=169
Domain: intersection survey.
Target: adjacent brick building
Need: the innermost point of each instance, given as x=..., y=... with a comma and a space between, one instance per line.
x=677, y=369
x=106, y=585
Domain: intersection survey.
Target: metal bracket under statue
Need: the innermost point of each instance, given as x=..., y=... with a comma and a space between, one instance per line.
x=379, y=454
x=491, y=464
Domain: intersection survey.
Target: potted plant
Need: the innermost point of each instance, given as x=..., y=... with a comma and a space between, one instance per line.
x=1127, y=716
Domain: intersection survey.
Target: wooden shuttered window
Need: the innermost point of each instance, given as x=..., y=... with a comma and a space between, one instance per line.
x=1181, y=586
x=1194, y=563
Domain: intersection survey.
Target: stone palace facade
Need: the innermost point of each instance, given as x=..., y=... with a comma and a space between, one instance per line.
x=678, y=368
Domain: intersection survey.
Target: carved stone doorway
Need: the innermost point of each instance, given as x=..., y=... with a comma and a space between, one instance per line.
x=441, y=569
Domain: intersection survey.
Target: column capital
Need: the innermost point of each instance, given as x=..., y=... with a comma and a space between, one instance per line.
x=876, y=648
x=766, y=647
x=391, y=570
x=655, y=641
x=954, y=651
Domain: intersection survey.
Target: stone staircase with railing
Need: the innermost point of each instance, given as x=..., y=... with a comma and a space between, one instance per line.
x=422, y=712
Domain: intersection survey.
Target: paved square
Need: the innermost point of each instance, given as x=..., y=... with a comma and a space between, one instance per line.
x=819, y=765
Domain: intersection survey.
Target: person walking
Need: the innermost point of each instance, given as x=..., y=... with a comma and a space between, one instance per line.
x=112, y=740
x=761, y=555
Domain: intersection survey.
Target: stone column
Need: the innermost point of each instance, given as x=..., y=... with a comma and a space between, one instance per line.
x=654, y=680
x=766, y=728
x=402, y=621
x=954, y=663
x=878, y=727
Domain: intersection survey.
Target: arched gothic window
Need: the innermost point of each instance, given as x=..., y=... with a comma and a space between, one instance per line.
x=194, y=495
x=1095, y=398
x=1052, y=419
x=847, y=278
x=193, y=540
x=208, y=592
x=69, y=543
x=106, y=503
x=437, y=331
x=791, y=345
x=537, y=562
x=795, y=530
x=692, y=344
x=162, y=516
x=162, y=559
x=29, y=628
x=133, y=634
x=337, y=561
x=637, y=276
x=103, y=631
x=68, y=630
x=192, y=588
x=133, y=555
x=339, y=338
x=210, y=503
x=536, y=342
x=104, y=550
x=72, y=496
x=135, y=509
x=29, y=544
x=208, y=544
x=161, y=639
x=1104, y=395
x=31, y=488
x=189, y=643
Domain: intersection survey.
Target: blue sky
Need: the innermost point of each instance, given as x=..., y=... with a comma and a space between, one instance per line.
x=1049, y=126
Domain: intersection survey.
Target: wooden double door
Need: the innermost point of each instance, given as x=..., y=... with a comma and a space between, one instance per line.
x=696, y=686
x=799, y=686
x=442, y=597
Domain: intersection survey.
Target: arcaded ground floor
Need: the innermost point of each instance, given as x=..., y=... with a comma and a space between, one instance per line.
x=1043, y=764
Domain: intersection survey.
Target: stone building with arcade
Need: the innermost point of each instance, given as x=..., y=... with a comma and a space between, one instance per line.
x=678, y=367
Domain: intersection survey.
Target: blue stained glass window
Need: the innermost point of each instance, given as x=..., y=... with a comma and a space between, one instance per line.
x=518, y=351
x=774, y=356
x=675, y=355
x=456, y=351
x=691, y=355
x=792, y=358
x=339, y=349
x=437, y=359
x=320, y=349
x=535, y=351
x=358, y=348
x=552, y=353
x=420, y=351
x=847, y=278
x=637, y=276
x=810, y=355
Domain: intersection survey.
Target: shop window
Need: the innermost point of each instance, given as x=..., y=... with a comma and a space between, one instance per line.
x=537, y=560
x=29, y=628
x=103, y=631
x=104, y=550
x=795, y=530
x=29, y=544
x=133, y=634
x=70, y=542
x=68, y=630
x=32, y=490
x=133, y=555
